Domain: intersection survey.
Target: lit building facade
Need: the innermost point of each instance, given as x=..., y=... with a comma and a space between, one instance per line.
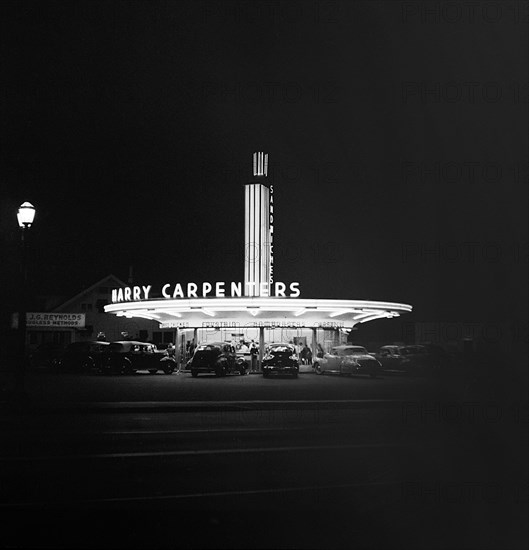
x=260, y=308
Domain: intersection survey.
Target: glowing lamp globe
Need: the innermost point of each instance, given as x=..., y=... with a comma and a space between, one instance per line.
x=25, y=214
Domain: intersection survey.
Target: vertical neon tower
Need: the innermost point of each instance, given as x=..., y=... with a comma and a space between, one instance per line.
x=258, y=230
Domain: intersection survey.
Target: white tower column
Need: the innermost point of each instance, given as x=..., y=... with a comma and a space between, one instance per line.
x=258, y=227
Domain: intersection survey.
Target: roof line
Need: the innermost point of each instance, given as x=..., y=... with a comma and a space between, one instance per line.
x=89, y=289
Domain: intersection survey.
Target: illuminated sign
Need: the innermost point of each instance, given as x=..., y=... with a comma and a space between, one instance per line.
x=271, y=239
x=258, y=229
x=256, y=237
x=257, y=302
x=261, y=323
x=62, y=320
x=218, y=290
x=175, y=324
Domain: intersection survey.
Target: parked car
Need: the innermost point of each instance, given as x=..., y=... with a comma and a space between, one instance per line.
x=414, y=359
x=127, y=357
x=82, y=356
x=219, y=358
x=348, y=359
x=280, y=359
x=46, y=355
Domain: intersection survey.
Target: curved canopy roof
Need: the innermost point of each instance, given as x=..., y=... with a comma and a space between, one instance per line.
x=258, y=311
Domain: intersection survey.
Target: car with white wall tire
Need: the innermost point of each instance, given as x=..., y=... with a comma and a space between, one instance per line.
x=348, y=360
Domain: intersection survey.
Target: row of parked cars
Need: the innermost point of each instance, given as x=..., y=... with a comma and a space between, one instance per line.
x=221, y=358
x=416, y=359
x=281, y=358
x=351, y=359
x=125, y=357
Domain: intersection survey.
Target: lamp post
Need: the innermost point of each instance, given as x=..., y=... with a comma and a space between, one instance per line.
x=25, y=216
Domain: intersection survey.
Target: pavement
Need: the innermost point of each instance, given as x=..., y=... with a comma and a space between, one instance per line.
x=49, y=390
x=145, y=461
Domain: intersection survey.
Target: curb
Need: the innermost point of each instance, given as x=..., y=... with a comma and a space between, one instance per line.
x=197, y=406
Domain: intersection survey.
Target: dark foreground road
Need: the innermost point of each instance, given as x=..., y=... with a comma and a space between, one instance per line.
x=242, y=462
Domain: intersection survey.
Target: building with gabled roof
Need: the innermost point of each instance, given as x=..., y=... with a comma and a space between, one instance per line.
x=82, y=317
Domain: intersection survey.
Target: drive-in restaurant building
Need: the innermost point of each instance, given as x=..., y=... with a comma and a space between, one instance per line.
x=260, y=308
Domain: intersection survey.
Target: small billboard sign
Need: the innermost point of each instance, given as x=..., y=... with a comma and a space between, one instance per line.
x=55, y=320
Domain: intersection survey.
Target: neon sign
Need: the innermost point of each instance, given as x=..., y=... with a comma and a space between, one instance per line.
x=266, y=323
x=218, y=289
x=271, y=223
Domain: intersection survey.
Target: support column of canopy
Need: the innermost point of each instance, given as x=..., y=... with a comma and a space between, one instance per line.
x=261, y=347
x=314, y=344
x=176, y=340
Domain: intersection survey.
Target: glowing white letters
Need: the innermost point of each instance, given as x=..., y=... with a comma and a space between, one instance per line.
x=128, y=294
x=220, y=290
x=178, y=292
x=271, y=236
x=280, y=289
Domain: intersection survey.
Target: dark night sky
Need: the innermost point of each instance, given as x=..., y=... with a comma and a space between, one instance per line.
x=130, y=126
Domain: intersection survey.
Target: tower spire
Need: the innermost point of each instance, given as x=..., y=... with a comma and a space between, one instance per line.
x=258, y=229
x=260, y=164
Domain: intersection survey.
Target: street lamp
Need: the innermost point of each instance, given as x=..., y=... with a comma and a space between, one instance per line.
x=25, y=216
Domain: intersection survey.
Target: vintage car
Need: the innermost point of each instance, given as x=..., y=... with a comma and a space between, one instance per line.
x=280, y=359
x=415, y=359
x=127, y=357
x=82, y=356
x=348, y=359
x=219, y=358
